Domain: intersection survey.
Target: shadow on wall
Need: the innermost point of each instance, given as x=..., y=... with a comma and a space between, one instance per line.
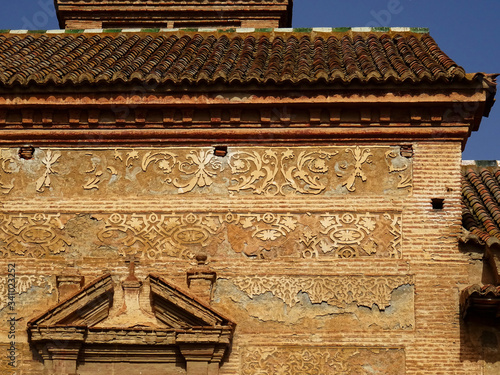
x=480, y=342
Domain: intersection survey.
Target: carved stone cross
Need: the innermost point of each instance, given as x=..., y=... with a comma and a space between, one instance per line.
x=131, y=261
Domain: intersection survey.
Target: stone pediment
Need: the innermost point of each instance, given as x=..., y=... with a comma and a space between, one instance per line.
x=145, y=322
x=87, y=307
x=178, y=309
x=94, y=304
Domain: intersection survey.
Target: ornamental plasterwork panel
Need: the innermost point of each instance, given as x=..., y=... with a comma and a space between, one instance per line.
x=338, y=291
x=324, y=360
x=256, y=171
x=24, y=283
x=32, y=235
x=183, y=234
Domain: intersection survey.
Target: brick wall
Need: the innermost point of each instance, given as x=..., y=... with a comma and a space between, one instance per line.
x=298, y=305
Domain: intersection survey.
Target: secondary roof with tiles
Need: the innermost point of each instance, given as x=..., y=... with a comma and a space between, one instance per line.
x=235, y=56
x=481, y=201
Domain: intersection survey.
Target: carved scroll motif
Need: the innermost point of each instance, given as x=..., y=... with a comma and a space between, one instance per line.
x=401, y=166
x=180, y=235
x=257, y=171
x=34, y=235
x=23, y=284
x=337, y=291
x=350, y=232
x=97, y=172
x=7, y=162
x=295, y=360
x=264, y=171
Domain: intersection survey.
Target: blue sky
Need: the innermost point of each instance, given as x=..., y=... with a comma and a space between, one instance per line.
x=468, y=31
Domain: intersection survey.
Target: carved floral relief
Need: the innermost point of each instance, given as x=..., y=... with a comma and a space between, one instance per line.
x=324, y=360
x=32, y=235
x=338, y=291
x=260, y=235
x=260, y=171
x=183, y=234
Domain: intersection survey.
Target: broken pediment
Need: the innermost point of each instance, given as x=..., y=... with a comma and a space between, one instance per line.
x=139, y=324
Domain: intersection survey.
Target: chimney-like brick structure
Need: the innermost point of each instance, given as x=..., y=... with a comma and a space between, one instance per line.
x=68, y=283
x=91, y=14
x=201, y=279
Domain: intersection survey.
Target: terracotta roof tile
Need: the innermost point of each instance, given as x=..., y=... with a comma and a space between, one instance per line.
x=481, y=202
x=223, y=57
x=476, y=290
x=480, y=301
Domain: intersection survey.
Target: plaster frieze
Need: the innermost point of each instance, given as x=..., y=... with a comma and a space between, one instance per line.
x=196, y=171
x=163, y=235
x=290, y=360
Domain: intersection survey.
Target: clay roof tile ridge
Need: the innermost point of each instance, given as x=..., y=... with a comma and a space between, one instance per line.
x=436, y=71
x=229, y=60
x=155, y=52
x=202, y=56
x=274, y=66
x=380, y=58
x=319, y=66
x=165, y=56
x=491, y=195
x=366, y=59
x=244, y=61
x=260, y=61
x=130, y=63
x=448, y=64
x=350, y=61
x=122, y=60
x=304, y=61
x=182, y=58
x=476, y=202
x=101, y=61
x=89, y=59
x=53, y=67
x=219, y=51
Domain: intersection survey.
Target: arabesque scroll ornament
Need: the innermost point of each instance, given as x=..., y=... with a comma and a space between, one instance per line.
x=154, y=235
x=338, y=291
x=401, y=166
x=181, y=234
x=257, y=172
x=320, y=360
x=265, y=171
x=34, y=235
x=6, y=160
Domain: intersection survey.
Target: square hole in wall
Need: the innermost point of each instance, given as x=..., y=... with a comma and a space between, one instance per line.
x=437, y=203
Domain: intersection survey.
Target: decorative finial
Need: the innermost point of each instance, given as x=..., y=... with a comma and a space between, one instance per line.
x=201, y=259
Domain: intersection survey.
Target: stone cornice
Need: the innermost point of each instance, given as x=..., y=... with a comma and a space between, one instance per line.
x=205, y=118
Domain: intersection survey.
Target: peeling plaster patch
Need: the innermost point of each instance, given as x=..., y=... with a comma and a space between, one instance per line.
x=29, y=289
x=82, y=230
x=399, y=315
x=269, y=310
